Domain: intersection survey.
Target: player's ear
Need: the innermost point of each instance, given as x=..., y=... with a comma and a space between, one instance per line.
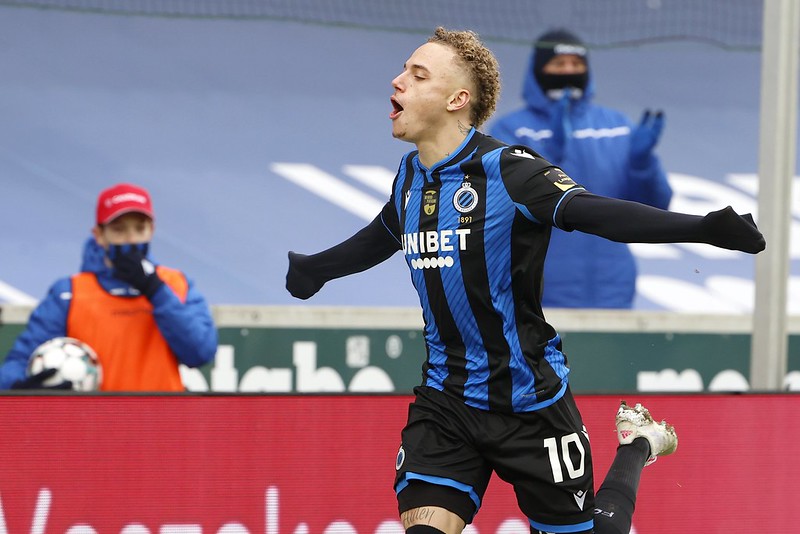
x=97, y=233
x=458, y=100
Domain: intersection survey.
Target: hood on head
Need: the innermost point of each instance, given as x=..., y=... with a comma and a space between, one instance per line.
x=547, y=46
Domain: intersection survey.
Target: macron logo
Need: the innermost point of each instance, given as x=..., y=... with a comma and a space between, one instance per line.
x=521, y=153
x=580, y=497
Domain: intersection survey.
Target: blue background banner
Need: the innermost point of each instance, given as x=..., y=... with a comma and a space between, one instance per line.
x=259, y=136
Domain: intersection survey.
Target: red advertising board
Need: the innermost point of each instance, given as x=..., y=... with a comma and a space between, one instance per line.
x=325, y=465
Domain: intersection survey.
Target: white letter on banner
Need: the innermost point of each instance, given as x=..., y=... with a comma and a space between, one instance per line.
x=309, y=378
x=233, y=528
x=42, y=511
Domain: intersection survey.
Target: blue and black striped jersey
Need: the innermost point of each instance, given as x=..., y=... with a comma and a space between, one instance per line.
x=474, y=230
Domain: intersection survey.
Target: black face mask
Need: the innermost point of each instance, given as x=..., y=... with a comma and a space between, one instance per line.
x=548, y=82
x=136, y=249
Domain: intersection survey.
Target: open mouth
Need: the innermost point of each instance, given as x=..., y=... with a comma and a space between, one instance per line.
x=396, y=109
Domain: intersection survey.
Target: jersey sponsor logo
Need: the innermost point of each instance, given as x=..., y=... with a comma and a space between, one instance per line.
x=562, y=181
x=429, y=202
x=466, y=198
x=521, y=153
x=435, y=241
x=439, y=262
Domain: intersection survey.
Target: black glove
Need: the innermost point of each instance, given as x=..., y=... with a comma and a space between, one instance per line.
x=133, y=267
x=727, y=229
x=37, y=381
x=299, y=282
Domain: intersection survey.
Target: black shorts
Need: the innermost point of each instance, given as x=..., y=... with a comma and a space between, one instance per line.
x=449, y=451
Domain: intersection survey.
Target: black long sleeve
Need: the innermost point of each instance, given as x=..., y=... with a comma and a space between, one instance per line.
x=368, y=247
x=631, y=222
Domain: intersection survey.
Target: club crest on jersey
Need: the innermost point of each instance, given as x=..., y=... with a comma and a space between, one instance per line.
x=401, y=457
x=429, y=202
x=466, y=198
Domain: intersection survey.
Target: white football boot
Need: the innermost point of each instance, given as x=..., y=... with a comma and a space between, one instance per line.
x=636, y=422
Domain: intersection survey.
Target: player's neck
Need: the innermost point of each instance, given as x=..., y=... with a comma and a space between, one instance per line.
x=442, y=143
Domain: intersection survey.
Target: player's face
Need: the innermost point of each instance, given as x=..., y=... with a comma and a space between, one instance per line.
x=565, y=64
x=422, y=92
x=127, y=229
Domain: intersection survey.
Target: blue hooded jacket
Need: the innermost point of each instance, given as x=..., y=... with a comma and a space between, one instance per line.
x=187, y=327
x=582, y=270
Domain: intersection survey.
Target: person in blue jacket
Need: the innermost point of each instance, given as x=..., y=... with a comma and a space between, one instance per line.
x=599, y=148
x=142, y=319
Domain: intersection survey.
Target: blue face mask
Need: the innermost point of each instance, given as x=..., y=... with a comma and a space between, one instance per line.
x=138, y=249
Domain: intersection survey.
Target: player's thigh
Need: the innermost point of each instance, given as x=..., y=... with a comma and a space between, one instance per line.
x=548, y=460
x=437, y=517
x=442, y=507
x=437, y=464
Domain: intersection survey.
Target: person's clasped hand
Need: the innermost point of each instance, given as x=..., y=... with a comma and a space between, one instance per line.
x=38, y=380
x=644, y=138
x=132, y=266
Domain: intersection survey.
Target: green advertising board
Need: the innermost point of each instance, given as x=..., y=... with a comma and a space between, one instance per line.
x=352, y=350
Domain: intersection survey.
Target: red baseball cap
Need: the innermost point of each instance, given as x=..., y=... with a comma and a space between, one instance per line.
x=120, y=199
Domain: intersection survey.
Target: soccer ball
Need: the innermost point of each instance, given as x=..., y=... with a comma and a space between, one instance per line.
x=75, y=360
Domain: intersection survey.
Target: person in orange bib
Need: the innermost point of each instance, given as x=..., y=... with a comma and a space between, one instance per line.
x=142, y=319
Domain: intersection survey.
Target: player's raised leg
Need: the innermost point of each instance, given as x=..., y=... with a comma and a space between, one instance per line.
x=641, y=442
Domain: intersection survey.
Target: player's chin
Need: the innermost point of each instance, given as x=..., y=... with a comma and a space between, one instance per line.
x=400, y=132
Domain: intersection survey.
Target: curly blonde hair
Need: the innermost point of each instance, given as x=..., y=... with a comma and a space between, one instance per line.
x=481, y=65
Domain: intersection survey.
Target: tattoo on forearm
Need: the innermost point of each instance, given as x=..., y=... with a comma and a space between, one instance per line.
x=418, y=516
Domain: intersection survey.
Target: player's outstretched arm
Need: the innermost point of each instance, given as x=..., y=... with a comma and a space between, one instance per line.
x=631, y=222
x=370, y=246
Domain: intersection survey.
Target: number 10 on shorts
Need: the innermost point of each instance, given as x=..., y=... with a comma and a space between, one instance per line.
x=560, y=455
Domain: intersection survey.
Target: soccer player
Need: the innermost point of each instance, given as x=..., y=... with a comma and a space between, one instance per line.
x=142, y=319
x=473, y=218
